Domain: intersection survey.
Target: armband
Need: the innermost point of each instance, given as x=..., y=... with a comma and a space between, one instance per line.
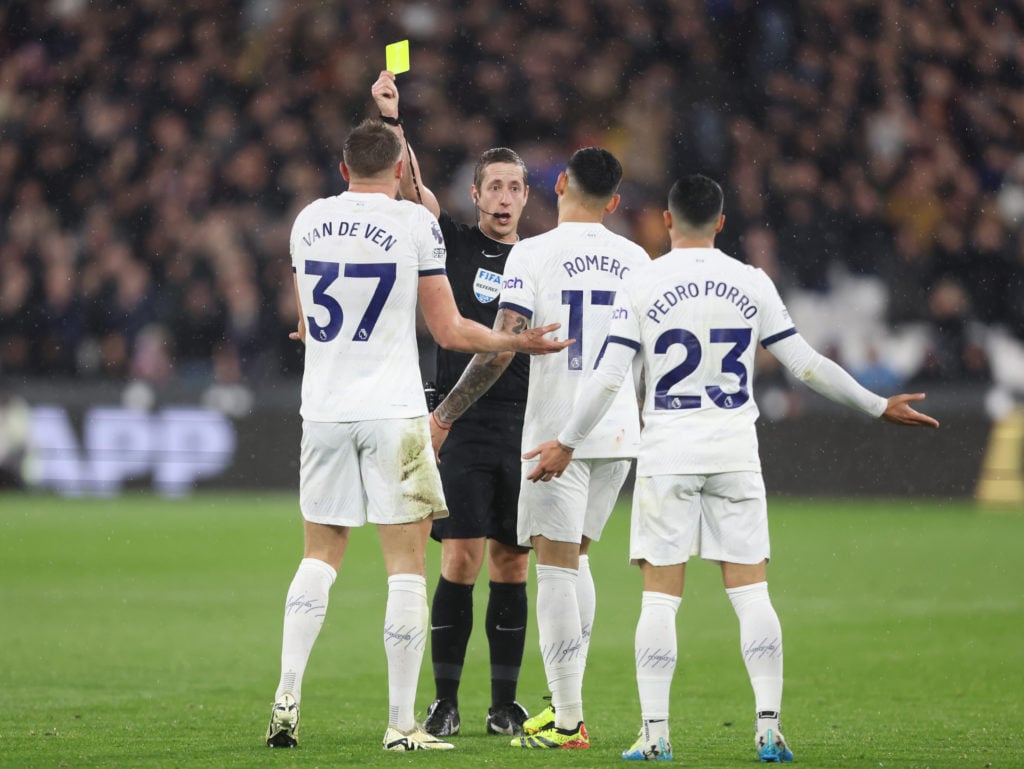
x=391, y=120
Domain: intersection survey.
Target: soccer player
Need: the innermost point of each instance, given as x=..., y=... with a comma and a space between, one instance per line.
x=571, y=274
x=361, y=261
x=481, y=459
x=694, y=316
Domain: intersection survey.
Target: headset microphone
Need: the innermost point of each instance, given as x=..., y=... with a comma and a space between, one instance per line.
x=489, y=213
x=476, y=204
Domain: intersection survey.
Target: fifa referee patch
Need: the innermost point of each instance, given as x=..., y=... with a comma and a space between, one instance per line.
x=486, y=285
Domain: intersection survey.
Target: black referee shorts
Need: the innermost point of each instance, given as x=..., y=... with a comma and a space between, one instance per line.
x=480, y=472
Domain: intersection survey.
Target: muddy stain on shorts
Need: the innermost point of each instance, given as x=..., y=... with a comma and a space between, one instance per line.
x=421, y=484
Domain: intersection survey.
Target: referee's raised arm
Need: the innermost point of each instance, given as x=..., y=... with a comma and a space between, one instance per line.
x=411, y=186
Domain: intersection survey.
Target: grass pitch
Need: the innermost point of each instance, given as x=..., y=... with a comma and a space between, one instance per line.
x=140, y=632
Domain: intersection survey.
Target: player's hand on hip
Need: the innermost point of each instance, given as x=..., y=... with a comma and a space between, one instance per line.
x=534, y=341
x=900, y=412
x=554, y=458
x=385, y=94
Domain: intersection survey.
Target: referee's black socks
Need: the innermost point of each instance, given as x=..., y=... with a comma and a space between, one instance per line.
x=451, y=622
x=506, y=632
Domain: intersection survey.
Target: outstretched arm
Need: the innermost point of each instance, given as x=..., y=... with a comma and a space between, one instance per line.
x=411, y=185
x=454, y=332
x=831, y=380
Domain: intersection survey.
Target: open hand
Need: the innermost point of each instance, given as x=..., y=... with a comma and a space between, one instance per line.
x=534, y=341
x=899, y=412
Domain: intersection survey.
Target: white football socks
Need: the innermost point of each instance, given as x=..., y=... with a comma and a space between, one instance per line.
x=761, y=644
x=655, y=648
x=561, y=644
x=586, y=596
x=405, y=635
x=304, y=612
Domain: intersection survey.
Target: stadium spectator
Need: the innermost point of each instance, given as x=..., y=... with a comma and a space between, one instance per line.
x=543, y=275
x=17, y=313
x=954, y=350
x=61, y=323
x=705, y=496
x=197, y=330
x=366, y=441
x=480, y=462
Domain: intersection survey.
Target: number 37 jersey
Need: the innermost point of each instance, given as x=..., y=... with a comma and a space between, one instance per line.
x=698, y=315
x=358, y=258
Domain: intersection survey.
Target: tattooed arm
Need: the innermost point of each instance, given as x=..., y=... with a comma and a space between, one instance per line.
x=481, y=373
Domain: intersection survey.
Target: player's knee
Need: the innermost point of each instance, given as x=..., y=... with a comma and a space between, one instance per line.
x=506, y=563
x=735, y=575
x=461, y=560
x=510, y=571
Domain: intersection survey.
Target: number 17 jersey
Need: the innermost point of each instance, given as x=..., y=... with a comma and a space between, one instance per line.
x=698, y=315
x=570, y=275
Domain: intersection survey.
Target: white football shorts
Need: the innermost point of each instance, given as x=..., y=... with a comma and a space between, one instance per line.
x=376, y=471
x=720, y=517
x=577, y=504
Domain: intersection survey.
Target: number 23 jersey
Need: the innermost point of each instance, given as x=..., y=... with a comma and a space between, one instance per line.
x=699, y=315
x=358, y=258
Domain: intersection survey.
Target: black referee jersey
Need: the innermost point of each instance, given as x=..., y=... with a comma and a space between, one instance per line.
x=475, y=266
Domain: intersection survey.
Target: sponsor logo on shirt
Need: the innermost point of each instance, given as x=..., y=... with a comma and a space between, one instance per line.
x=486, y=285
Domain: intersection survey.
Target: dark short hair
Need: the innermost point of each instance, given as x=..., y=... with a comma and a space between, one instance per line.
x=496, y=155
x=595, y=171
x=696, y=200
x=371, y=148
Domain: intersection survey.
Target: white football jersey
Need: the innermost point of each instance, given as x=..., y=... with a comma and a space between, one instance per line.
x=571, y=275
x=699, y=315
x=358, y=258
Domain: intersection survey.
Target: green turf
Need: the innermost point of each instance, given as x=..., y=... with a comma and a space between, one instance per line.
x=138, y=632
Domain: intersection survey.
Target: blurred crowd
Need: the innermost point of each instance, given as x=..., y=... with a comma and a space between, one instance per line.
x=153, y=156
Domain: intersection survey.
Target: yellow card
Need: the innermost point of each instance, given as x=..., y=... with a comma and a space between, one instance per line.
x=397, y=56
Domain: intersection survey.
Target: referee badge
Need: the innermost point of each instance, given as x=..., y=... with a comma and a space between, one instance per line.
x=486, y=285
